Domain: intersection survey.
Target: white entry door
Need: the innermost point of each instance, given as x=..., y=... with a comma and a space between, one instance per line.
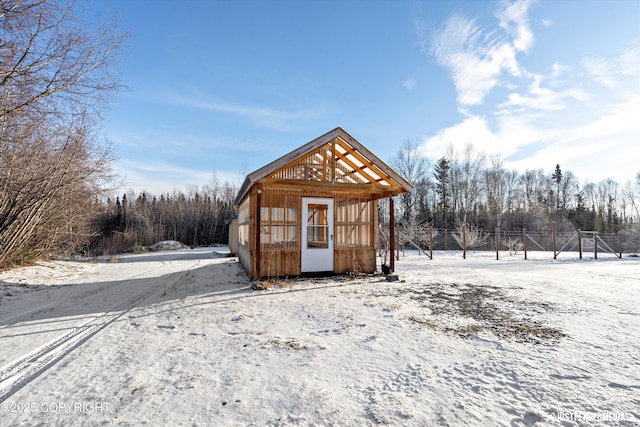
x=317, y=234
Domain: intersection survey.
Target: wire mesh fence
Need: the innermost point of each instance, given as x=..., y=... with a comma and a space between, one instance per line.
x=521, y=240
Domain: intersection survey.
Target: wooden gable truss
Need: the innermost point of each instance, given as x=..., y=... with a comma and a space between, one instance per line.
x=334, y=160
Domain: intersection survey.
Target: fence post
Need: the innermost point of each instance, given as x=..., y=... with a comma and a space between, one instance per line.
x=497, y=239
x=580, y=242
x=431, y=242
x=446, y=240
x=464, y=241
x=553, y=236
x=620, y=244
x=595, y=244
x=524, y=241
x=392, y=235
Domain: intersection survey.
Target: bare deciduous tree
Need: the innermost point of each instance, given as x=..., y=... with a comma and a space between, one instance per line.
x=496, y=189
x=50, y=61
x=55, y=76
x=414, y=167
x=466, y=181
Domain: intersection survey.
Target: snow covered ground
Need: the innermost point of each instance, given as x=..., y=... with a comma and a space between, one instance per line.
x=180, y=338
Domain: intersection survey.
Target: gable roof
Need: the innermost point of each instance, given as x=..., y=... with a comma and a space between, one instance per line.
x=335, y=158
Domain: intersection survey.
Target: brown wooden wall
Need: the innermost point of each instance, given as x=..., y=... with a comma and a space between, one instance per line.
x=233, y=236
x=354, y=261
x=280, y=263
x=280, y=232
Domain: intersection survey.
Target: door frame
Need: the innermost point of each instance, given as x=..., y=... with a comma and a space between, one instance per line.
x=315, y=259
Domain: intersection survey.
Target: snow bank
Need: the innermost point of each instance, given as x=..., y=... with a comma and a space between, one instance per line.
x=167, y=245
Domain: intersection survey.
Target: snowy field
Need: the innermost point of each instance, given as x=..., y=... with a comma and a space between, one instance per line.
x=180, y=338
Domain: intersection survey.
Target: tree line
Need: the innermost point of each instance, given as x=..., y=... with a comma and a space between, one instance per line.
x=197, y=217
x=467, y=188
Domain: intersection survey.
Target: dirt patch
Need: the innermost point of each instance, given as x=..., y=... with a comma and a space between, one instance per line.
x=466, y=310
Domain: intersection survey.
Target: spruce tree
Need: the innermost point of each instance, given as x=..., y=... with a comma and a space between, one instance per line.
x=441, y=175
x=557, y=178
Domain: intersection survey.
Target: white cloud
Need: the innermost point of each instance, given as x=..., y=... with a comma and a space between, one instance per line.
x=601, y=69
x=158, y=178
x=513, y=18
x=623, y=118
x=409, y=84
x=559, y=69
x=512, y=134
x=263, y=116
x=541, y=98
x=476, y=59
x=608, y=71
x=421, y=38
x=629, y=61
x=473, y=130
x=602, y=147
x=547, y=23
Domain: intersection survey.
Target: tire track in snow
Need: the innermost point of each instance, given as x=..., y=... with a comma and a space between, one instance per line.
x=26, y=315
x=17, y=374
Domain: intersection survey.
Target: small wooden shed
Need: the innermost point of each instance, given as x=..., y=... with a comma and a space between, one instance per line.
x=314, y=209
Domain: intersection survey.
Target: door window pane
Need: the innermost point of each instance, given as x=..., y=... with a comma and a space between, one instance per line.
x=317, y=226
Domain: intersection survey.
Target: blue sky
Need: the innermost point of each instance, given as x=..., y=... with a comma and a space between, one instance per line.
x=224, y=87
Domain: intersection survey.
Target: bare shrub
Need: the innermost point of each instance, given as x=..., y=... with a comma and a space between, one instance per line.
x=514, y=244
x=473, y=236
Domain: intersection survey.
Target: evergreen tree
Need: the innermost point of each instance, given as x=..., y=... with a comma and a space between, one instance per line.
x=557, y=178
x=441, y=175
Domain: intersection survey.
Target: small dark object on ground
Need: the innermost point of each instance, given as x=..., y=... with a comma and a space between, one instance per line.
x=386, y=269
x=392, y=278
